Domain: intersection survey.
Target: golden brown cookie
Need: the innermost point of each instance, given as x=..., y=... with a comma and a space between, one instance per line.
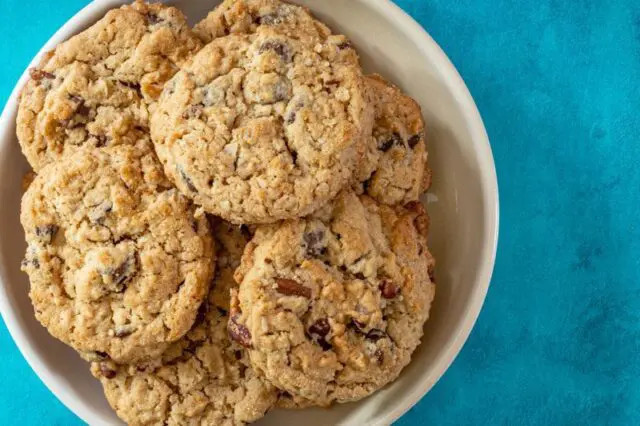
x=97, y=88
x=331, y=307
x=259, y=128
x=394, y=170
x=118, y=260
x=204, y=378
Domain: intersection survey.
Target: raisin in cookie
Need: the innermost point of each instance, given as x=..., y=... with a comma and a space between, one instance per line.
x=95, y=89
x=204, y=378
x=394, y=170
x=117, y=259
x=332, y=306
x=245, y=16
x=261, y=127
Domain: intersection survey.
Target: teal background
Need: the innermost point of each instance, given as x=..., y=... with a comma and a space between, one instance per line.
x=557, y=83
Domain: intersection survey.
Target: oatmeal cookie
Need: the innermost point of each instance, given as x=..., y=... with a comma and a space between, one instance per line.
x=332, y=306
x=245, y=16
x=259, y=128
x=96, y=89
x=394, y=170
x=204, y=378
x=117, y=259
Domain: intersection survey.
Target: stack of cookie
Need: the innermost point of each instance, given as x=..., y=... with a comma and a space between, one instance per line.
x=224, y=219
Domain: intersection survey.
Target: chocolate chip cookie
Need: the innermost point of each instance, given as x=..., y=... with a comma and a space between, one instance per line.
x=118, y=260
x=96, y=88
x=394, y=170
x=331, y=307
x=261, y=127
x=245, y=16
x=204, y=378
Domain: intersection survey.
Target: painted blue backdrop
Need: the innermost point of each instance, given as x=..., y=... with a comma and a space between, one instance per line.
x=558, y=85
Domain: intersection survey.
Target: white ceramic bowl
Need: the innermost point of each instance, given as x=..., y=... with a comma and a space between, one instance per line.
x=463, y=205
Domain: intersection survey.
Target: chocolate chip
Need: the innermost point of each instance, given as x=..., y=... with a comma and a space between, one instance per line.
x=278, y=47
x=292, y=288
x=238, y=355
x=313, y=243
x=413, y=141
x=360, y=276
x=130, y=85
x=345, y=45
x=194, y=111
x=123, y=273
x=107, y=371
x=357, y=325
x=321, y=327
x=83, y=110
x=46, y=232
x=186, y=179
x=239, y=332
x=38, y=74
x=123, y=331
x=318, y=332
x=375, y=334
x=388, y=289
x=386, y=145
x=33, y=261
x=101, y=140
x=153, y=19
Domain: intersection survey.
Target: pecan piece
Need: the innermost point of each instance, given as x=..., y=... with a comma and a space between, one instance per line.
x=292, y=288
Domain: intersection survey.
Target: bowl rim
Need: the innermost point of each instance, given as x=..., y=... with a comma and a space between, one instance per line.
x=489, y=185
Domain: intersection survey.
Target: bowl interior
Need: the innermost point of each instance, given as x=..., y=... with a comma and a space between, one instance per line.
x=462, y=204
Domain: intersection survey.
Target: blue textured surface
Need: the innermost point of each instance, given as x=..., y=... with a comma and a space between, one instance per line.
x=557, y=83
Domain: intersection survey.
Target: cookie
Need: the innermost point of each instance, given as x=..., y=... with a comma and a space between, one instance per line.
x=332, y=306
x=96, y=89
x=118, y=260
x=394, y=170
x=204, y=378
x=261, y=127
x=245, y=16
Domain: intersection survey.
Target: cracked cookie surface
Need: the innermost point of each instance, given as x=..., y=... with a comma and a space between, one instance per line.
x=262, y=127
x=97, y=88
x=332, y=306
x=117, y=259
x=394, y=170
x=246, y=16
x=204, y=378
